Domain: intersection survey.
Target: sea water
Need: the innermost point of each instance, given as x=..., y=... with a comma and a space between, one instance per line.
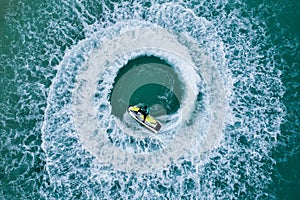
x=221, y=76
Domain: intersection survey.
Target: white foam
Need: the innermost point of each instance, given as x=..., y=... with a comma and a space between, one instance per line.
x=141, y=39
x=103, y=63
x=185, y=138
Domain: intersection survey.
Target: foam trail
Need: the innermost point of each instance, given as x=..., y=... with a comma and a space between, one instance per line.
x=90, y=121
x=189, y=151
x=225, y=149
x=103, y=64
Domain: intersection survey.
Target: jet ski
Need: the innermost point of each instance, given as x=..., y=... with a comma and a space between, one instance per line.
x=150, y=122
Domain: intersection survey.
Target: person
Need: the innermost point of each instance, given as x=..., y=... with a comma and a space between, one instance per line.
x=145, y=111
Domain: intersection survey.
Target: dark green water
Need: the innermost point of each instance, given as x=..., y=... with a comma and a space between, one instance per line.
x=255, y=45
x=149, y=81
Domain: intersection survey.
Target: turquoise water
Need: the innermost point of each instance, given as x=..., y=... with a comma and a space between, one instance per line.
x=232, y=134
x=150, y=81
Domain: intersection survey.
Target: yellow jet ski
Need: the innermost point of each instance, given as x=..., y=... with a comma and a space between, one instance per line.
x=150, y=123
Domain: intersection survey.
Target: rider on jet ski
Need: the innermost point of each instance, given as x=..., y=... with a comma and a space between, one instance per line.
x=145, y=111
